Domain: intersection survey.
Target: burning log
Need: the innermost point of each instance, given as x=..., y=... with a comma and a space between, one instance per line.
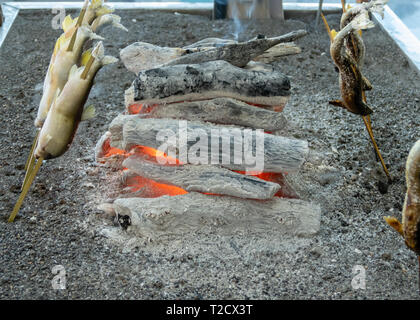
x=279, y=154
x=195, y=212
x=203, y=178
x=208, y=80
x=220, y=111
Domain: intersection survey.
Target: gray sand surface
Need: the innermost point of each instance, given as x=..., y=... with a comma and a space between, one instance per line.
x=60, y=225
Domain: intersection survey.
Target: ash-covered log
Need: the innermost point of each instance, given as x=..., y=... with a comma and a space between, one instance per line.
x=141, y=56
x=220, y=111
x=209, y=43
x=237, y=54
x=280, y=50
x=218, y=144
x=203, y=178
x=194, y=212
x=209, y=80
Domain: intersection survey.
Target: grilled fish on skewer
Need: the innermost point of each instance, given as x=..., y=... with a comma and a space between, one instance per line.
x=351, y=81
x=410, y=227
x=66, y=111
x=354, y=42
x=59, y=70
x=65, y=115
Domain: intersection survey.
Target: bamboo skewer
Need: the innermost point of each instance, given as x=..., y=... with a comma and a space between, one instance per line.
x=366, y=119
x=87, y=68
x=368, y=123
x=78, y=24
x=25, y=189
x=31, y=160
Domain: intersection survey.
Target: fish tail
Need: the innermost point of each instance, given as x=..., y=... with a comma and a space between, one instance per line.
x=99, y=54
x=378, y=7
x=362, y=21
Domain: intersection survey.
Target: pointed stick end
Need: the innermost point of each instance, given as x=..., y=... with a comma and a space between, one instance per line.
x=25, y=190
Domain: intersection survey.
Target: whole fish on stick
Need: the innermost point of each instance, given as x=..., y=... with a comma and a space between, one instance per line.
x=348, y=52
x=66, y=88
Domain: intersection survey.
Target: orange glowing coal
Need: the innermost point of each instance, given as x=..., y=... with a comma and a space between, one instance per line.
x=137, y=108
x=153, y=189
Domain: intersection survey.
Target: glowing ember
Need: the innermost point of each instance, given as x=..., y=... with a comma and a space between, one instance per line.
x=155, y=155
x=109, y=151
x=152, y=189
x=140, y=108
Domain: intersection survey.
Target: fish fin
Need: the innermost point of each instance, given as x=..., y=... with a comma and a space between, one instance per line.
x=366, y=85
x=333, y=34
x=88, y=113
x=378, y=7
x=59, y=43
x=116, y=22
x=112, y=19
x=120, y=26
x=47, y=140
x=73, y=70
x=67, y=23
x=96, y=4
x=81, y=17
x=57, y=93
x=109, y=60
x=362, y=21
x=104, y=9
x=94, y=36
x=337, y=103
x=366, y=110
x=395, y=223
x=98, y=52
x=86, y=56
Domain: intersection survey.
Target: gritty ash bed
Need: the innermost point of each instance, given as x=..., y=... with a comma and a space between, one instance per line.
x=340, y=185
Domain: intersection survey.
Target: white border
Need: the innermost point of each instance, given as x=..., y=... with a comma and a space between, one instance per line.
x=391, y=24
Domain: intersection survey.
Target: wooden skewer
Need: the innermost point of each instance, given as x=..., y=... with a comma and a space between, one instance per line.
x=72, y=40
x=32, y=150
x=87, y=68
x=368, y=124
x=25, y=189
x=369, y=129
x=327, y=27
x=78, y=24
x=319, y=12
x=343, y=4
x=31, y=161
x=82, y=14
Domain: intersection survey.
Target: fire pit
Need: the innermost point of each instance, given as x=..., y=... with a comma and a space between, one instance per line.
x=59, y=223
x=192, y=147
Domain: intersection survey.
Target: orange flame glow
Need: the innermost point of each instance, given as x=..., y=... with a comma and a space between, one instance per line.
x=153, y=188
